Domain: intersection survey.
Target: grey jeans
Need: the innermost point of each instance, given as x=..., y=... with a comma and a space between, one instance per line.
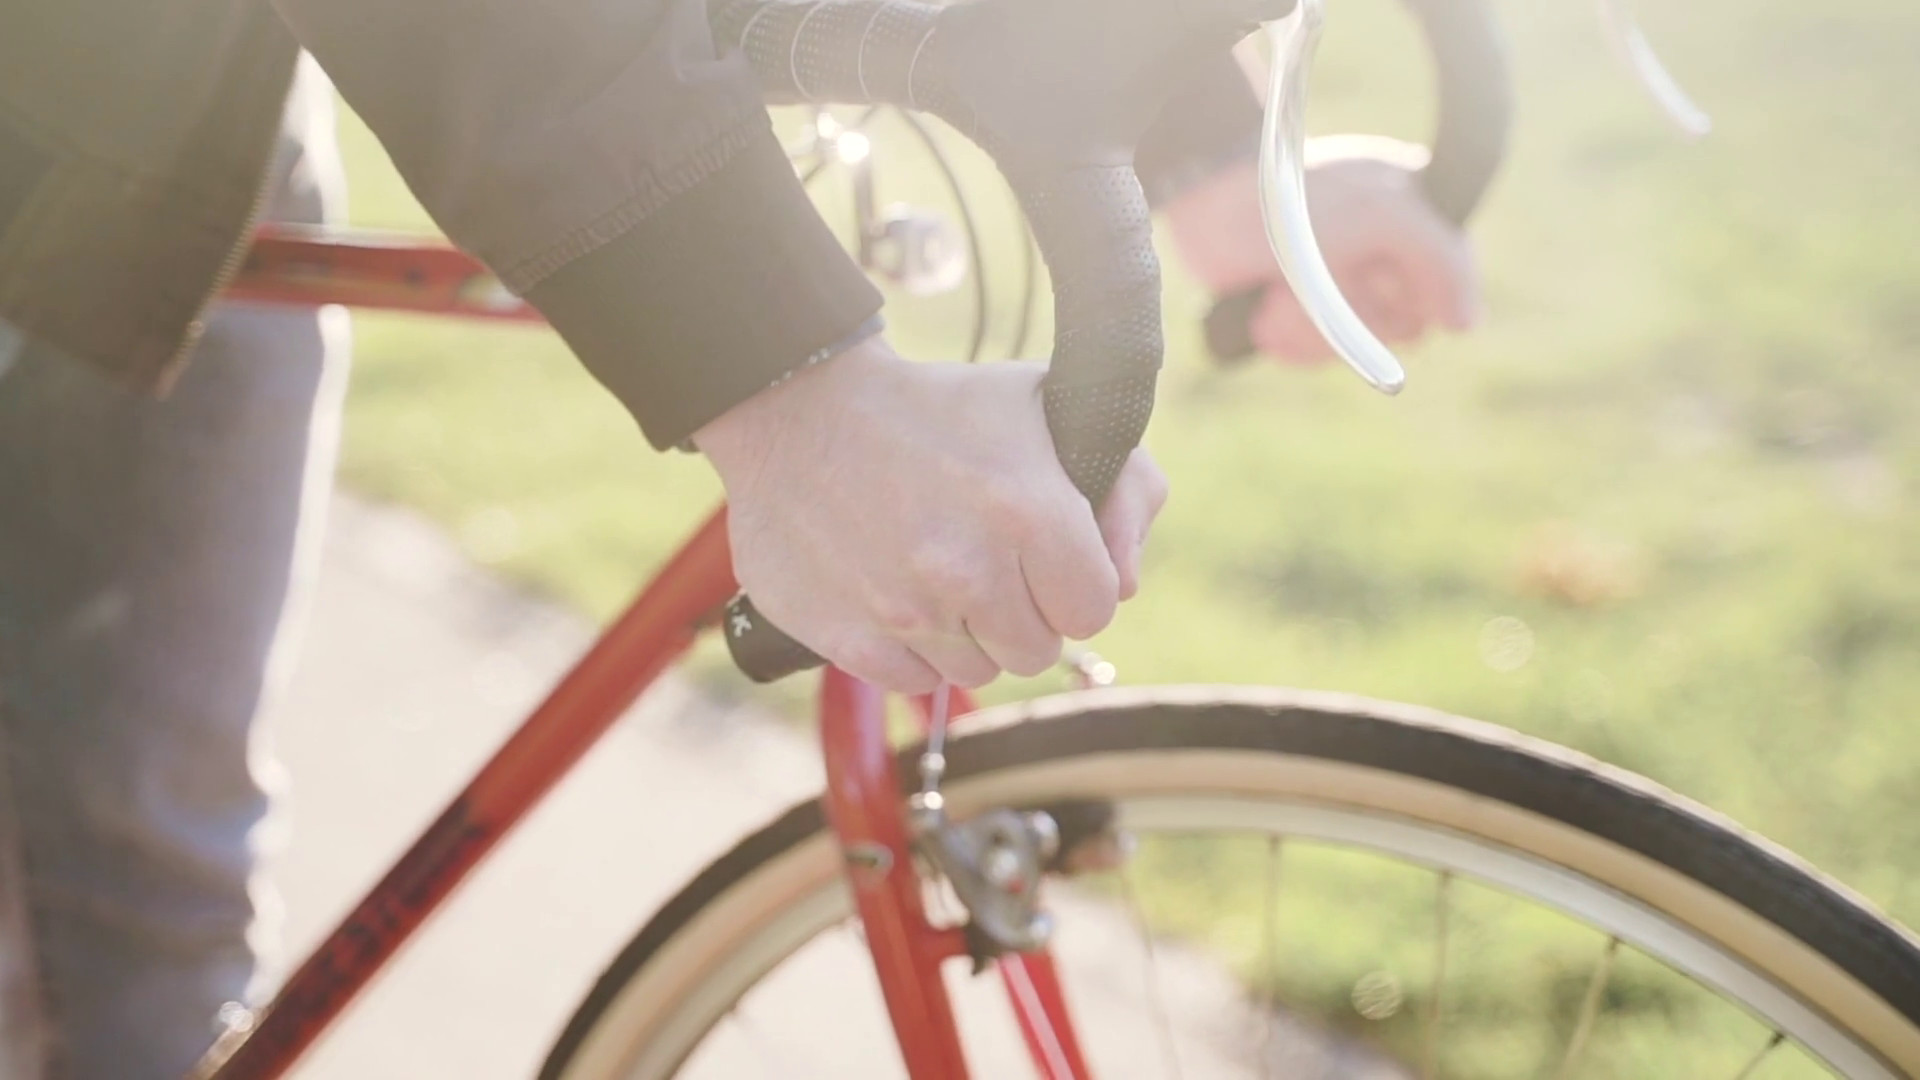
x=149, y=554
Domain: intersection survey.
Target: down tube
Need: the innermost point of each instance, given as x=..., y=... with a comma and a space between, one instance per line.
x=653, y=633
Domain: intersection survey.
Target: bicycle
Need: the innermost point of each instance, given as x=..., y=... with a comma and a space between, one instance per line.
x=969, y=830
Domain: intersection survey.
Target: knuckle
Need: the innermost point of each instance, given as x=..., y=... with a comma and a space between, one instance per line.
x=856, y=654
x=1000, y=499
x=918, y=679
x=849, y=650
x=973, y=674
x=1158, y=488
x=1092, y=614
x=1012, y=512
x=1037, y=660
x=853, y=653
x=883, y=663
x=900, y=618
x=950, y=577
x=1150, y=479
x=935, y=567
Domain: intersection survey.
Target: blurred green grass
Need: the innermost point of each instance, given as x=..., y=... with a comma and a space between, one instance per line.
x=1661, y=509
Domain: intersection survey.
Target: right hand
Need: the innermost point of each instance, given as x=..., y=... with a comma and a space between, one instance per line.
x=1404, y=267
x=911, y=523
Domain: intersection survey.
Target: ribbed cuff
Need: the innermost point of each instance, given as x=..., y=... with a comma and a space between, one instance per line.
x=715, y=297
x=1213, y=122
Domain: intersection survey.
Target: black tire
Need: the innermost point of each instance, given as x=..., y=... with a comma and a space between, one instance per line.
x=1801, y=930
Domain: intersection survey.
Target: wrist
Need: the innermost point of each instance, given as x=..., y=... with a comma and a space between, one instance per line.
x=712, y=297
x=740, y=440
x=868, y=330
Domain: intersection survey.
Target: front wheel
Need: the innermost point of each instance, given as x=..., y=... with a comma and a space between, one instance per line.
x=1323, y=886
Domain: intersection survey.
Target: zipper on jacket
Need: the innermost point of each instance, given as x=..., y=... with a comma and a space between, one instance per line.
x=222, y=277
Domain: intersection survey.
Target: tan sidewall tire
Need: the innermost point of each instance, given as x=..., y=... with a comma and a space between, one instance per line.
x=1785, y=924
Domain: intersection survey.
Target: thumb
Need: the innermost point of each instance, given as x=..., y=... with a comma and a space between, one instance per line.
x=1128, y=515
x=1282, y=330
x=1387, y=303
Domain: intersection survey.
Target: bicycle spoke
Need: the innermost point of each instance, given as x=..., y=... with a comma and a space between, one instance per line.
x=1443, y=897
x=1759, y=1058
x=1153, y=974
x=1589, y=1009
x=1270, y=958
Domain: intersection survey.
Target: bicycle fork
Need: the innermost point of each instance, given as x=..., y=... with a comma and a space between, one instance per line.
x=865, y=808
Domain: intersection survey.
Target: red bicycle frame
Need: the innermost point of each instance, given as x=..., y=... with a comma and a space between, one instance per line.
x=862, y=800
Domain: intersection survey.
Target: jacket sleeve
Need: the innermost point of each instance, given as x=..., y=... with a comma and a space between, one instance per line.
x=612, y=167
x=1213, y=122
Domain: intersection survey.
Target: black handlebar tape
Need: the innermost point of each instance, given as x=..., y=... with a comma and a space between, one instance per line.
x=1094, y=228
x=1476, y=114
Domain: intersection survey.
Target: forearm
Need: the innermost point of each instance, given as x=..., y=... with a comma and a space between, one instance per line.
x=602, y=158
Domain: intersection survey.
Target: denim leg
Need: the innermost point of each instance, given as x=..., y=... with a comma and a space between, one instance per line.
x=148, y=550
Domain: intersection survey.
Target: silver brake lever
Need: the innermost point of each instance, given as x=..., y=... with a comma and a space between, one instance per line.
x=1283, y=183
x=1659, y=83
x=1283, y=201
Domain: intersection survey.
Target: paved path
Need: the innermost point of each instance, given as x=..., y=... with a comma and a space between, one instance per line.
x=415, y=666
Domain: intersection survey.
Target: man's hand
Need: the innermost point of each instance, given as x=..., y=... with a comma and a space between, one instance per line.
x=1404, y=268
x=910, y=522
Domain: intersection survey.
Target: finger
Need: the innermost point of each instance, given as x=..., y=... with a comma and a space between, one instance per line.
x=1069, y=573
x=884, y=663
x=957, y=657
x=1012, y=632
x=1281, y=329
x=1128, y=517
x=1387, y=304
